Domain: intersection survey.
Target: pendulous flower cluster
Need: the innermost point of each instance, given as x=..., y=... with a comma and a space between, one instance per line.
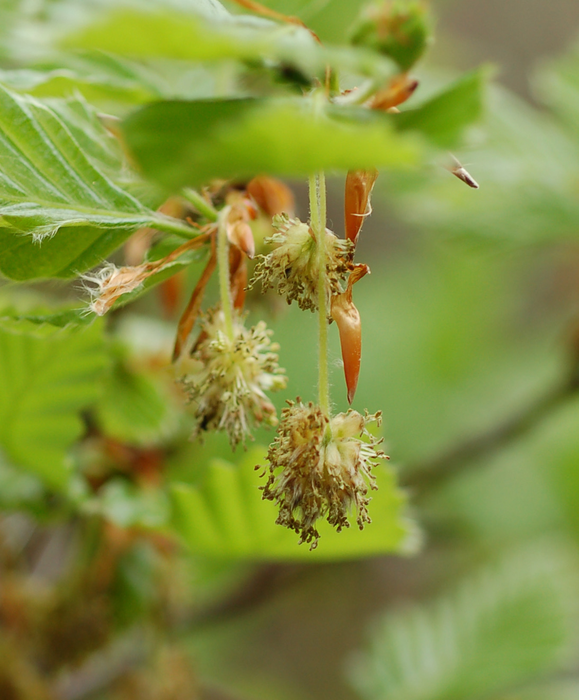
x=292, y=268
x=325, y=468
x=226, y=378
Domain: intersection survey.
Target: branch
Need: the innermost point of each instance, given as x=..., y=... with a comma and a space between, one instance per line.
x=429, y=475
x=263, y=585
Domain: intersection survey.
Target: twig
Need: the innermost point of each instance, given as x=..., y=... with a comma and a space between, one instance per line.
x=265, y=583
x=429, y=475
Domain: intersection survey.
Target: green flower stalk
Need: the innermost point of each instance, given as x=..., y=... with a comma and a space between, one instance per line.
x=320, y=465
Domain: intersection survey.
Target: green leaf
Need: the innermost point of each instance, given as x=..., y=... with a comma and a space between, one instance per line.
x=511, y=623
x=443, y=118
x=558, y=690
x=225, y=517
x=61, y=209
x=48, y=375
x=245, y=39
x=103, y=79
x=44, y=322
x=190, y=143
x=527, y=167
x=95, y=82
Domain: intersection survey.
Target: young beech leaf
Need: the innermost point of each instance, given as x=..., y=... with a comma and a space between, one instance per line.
x=191, y=143
x=509, y=624
x=63, y=206
x=170, y=33
x=48, y=375
x=443, y=118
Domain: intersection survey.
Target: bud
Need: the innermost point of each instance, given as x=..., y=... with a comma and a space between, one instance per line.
x=398, y=29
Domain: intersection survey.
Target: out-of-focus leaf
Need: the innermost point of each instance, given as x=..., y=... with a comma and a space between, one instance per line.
x=18, y=489
x=511, y=623
x=527, y=167
x=104, y=78
x=224, y=517
x=134, y=408
x=558, y=690
x=240, y=38
x=189, y=143
x=42, y=324
x=331, y=20
x=127, y=505
x=61, y=209
x=444, y=117
x=34, y=27
x=557, y=85
x=552, y=453
x=48, y=375
x=135, y=585
x=96, y=82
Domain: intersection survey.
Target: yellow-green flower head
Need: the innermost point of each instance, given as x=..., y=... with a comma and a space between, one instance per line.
x=325, y=468
x=226, y=379
x=292, y=268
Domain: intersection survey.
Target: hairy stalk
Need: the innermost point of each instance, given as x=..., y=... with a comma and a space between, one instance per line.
x=169, y=225
x=317, y=184
x=223, y=265
x=200, y=203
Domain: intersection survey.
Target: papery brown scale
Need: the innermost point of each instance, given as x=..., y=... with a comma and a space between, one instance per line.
x=459, y=171
x=271, y=195
x=189, y=316
x=400, y=89
x=347, y=318
x=240, y=211
x=237, y=277
x=170, y=294
x=359, y=185
x=240, y=234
